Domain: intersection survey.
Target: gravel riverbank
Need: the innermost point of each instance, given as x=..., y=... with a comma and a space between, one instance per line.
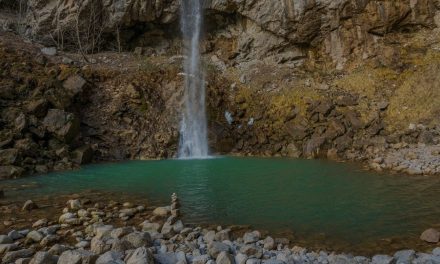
x=103, y=234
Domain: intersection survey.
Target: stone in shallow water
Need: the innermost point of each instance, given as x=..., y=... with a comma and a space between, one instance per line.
x=430, y=235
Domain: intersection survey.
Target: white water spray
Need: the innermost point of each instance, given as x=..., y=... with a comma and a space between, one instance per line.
x=193, y=131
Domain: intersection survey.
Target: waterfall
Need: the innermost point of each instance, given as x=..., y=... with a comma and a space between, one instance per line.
x=193, y=128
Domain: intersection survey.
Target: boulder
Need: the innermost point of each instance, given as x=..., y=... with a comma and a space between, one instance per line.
x=147, y=226
x=202, y=259
x=43, y=257
x=110, y=257
x=35, y=236
x=8, y=156
x=215, y=247
x=38, y=107
x=77, y=256
x=121, y=231
x=252, y=251
x=141, y=255
x=14, y=235
x=241, y=258
x=7, y=247
x=64, y=125
x=4, y=239
x=405, y=256
x=313, y=146
x=98, y=246
x=161, y=211
x=11, y=256
x=222, y=235
x=138, y=239
x=382, y=259
x=209, y=236
x=82, y=155
x=120, y=245
x=10, y=172
x=430, y=235
x=251, y=237
x=224, y=258
x=74, y=85
x=65, y=217
x=269, y=243
x=165, y=258
x=74, y=204
x=57, y=249
x=103, y=232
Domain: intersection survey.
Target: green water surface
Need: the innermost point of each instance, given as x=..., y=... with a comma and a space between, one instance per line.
x=308, y=197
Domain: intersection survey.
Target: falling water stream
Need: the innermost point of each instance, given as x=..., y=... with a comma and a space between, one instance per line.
x=193, y=128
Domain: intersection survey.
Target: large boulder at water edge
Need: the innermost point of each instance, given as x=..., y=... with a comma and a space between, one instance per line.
x=430, y=235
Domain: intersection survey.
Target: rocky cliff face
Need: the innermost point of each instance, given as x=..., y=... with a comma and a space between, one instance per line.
x=345, y=79
x=288, y=30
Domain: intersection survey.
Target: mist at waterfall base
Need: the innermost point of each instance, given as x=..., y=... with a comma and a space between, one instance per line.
x=193, y=128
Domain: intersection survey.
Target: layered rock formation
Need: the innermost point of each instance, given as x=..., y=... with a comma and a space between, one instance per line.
x=343, y=30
